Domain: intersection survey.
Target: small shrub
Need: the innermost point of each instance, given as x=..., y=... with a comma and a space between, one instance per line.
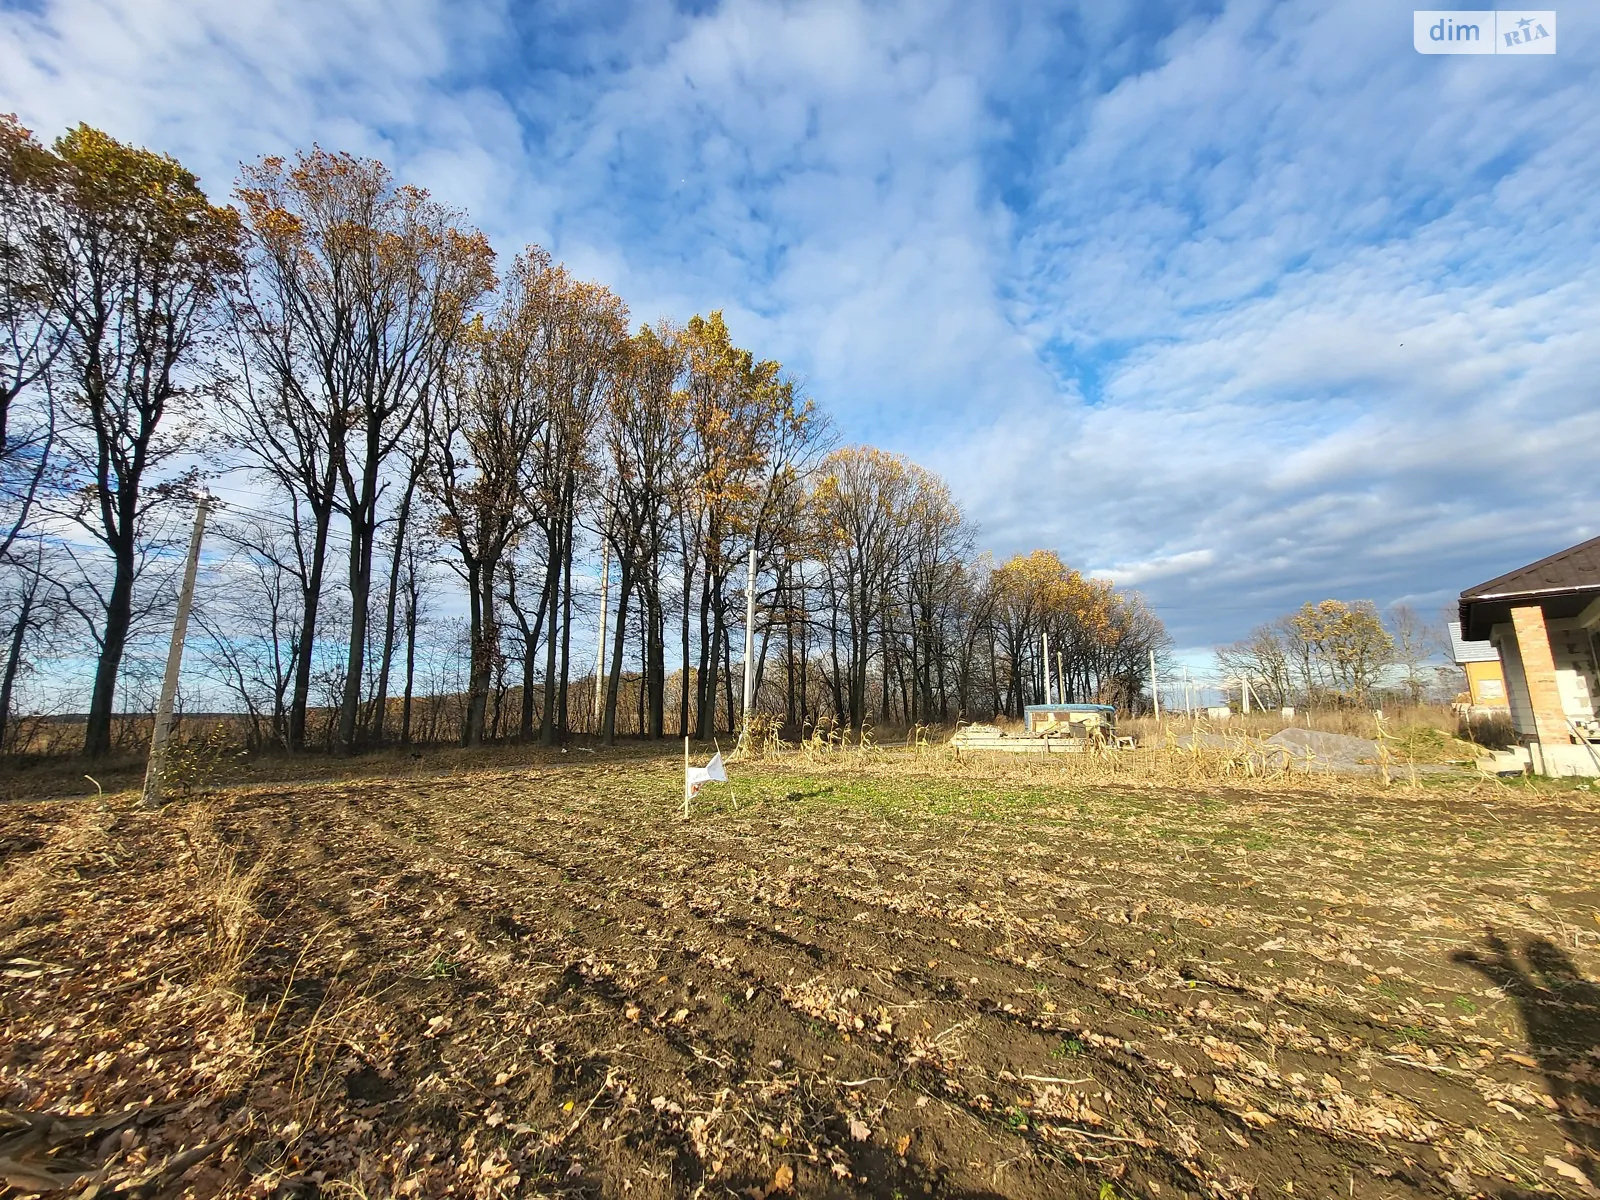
x=1493, y=731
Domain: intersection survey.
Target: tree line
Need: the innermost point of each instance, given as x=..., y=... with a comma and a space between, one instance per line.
x=404, y=406
x=1333, y=653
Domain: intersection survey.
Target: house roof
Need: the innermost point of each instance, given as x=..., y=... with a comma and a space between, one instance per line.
x=1464, y=652
x=1561, y=584
x=1564, y=571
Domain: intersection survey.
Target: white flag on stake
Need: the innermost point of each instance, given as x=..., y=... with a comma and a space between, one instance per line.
x=712, y=772
x=694, y=777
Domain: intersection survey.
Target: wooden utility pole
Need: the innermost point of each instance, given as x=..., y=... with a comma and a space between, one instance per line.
x=169, y=682
x=749, y=640
x=1155, y=685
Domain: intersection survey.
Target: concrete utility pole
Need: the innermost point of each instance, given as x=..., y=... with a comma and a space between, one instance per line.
x=750, y=637
x=169, y=682
x=600, y=650
x=1044, y=642
x=1155, y=685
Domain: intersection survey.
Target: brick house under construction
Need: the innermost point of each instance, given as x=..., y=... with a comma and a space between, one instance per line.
x=1544, y=619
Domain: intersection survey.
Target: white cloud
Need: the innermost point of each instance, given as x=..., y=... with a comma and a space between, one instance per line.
x=1136, y=282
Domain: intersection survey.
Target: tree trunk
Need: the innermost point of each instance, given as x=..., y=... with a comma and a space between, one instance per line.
x=411, y=664
x=552, y=597
x=608, y=728
x=119, y=617
x=481, y=662
x=566, y=609
x=683, y=683
x=656, y=654
x=382, y=699
x=310, y=605
x=705, y=698
x=530, y=653
x=726, y=637
x=19, y=635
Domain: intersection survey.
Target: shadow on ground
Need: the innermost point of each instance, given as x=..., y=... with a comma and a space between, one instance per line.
x=1561, y=1012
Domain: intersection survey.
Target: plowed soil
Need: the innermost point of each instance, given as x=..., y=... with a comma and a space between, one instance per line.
x=883, y=981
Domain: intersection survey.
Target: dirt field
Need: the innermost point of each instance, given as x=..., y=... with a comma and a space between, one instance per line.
x=891, y=980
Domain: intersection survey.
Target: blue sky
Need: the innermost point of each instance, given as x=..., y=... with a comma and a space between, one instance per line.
x=1243, y=304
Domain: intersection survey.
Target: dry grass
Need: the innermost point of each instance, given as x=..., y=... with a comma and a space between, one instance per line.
x=1349, y=721
x=1240, y=753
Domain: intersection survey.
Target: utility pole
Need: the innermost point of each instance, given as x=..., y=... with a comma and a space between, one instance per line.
x=1155, y=685
x=600, y=650
x=1044, y=643
x=750, y=638
x=169, y=682
x=1061, y=681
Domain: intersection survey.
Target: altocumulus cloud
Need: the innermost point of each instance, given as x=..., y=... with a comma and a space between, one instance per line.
x=1242, y=303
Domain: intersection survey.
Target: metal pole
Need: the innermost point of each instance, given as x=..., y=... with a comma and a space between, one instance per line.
x=750, y=636
x=600, y=650
x=1155, y=685
x=1044, y=641
x=169, y=682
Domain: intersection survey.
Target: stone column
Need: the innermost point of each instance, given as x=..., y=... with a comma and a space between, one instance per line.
x=1539, y=669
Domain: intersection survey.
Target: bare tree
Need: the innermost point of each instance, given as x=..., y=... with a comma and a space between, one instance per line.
x=33, y=327
x=647, y=431
x=368, y=284
x=1415, y=641
x=249, y=622
x=581, y=329
x=488, y=414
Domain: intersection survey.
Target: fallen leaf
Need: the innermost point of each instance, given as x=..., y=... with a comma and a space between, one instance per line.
x=1567, y=1171
x=1522, y=1060
x=859, y=1130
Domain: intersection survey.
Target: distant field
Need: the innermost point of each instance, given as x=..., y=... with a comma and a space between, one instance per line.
x=890, y=980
